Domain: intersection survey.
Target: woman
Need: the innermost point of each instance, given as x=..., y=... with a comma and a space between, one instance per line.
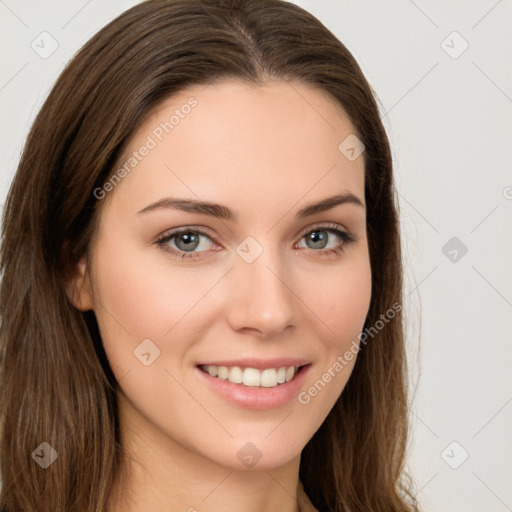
x=202, y=283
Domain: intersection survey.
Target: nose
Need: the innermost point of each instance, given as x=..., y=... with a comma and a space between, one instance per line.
x=261, y=299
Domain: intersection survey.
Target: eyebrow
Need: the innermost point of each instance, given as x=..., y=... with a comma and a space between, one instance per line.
x=223, y=212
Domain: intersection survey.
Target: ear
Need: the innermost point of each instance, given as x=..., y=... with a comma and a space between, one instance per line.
x=78, y=287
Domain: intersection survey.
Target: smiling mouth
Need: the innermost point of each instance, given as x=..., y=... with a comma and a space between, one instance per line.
x=252, y=377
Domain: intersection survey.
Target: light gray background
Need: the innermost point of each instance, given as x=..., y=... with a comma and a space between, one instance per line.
x=450, y=124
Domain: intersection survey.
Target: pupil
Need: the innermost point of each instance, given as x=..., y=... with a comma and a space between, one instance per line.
x=318, y=238
x=189, y=239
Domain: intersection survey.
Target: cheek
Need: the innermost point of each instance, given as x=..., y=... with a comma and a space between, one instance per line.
x=145, y=297
x=341, y=305
x=139, y=298
x=134, y=302
x=341, y=299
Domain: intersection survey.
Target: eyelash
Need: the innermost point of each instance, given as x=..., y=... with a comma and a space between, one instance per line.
x=346, y=236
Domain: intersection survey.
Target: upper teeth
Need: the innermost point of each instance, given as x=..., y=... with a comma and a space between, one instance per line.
x=267, y=378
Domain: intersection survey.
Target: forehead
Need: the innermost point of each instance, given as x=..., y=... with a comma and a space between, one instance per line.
x=230, y=140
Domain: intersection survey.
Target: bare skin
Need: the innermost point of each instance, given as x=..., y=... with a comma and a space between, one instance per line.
x=265, y=152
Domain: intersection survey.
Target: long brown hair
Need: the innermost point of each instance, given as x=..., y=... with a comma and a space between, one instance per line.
x=56, y=384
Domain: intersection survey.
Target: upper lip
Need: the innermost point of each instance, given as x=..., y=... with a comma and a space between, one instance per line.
x=259, y=364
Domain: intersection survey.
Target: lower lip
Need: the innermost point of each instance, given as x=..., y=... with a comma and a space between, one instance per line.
x=256, y=397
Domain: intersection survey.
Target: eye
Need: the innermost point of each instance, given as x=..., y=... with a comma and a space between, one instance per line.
x=188, y=243
x=318, y=239
x=182, y=243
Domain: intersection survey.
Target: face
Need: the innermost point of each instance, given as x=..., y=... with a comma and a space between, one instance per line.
x=240, y=290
